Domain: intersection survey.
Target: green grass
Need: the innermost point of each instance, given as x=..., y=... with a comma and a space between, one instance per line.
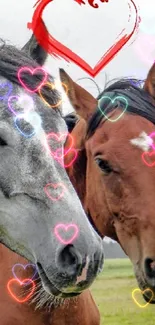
x=112, y=292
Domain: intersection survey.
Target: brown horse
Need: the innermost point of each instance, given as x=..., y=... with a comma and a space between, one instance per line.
x=113, y=174
x=79, y=311
x=24, y=206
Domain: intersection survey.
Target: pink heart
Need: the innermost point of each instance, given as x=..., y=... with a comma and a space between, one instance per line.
x=32, y=72
x=52, y=186
x=72, y=153
x=58, y=154
x=21, y=283
x=59, y=139
x=142, y=43
x=65, y=228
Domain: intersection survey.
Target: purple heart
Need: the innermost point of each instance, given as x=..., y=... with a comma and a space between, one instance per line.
x=136, y=83
x=10, y=103
x=24, y=267
x=20, y=99
x=4, y=85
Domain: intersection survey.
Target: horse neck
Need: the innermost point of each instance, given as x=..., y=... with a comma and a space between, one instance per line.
x=12, y=311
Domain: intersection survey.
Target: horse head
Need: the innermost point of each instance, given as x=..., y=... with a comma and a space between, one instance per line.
x=114, y=174
x=40, y=211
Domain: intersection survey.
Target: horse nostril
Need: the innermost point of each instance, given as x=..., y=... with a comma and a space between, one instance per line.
x=150, y=267
x=70, y=261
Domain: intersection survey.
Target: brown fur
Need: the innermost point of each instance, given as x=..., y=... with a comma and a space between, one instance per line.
x=122, y=204
x=13, y=313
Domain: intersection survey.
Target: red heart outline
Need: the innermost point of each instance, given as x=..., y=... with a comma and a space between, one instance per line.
x=21, y=283
x=55, y=48
x=146, y=155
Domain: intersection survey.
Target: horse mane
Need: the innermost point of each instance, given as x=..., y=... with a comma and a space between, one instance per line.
x=12, y=59
x=71, y=119
x=139, y=102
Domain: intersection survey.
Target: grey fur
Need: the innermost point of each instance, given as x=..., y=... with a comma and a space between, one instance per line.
x=27, y=215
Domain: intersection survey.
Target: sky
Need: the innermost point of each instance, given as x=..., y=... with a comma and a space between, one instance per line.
x=89, y=33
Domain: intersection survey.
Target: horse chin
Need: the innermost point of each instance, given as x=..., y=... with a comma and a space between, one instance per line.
x=149, y=293
x=143, y=285
x=147, y=299
x=51, y=288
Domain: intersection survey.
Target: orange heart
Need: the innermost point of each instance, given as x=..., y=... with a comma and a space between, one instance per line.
x=135, y=300
x=71, y=157
x=20, y=283
x=52, y=86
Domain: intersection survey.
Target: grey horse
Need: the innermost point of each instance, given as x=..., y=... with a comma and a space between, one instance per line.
x=28, y=216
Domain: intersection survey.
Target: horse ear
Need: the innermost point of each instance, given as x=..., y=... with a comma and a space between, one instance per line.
x=82, y=101
x=149, y=85
x=36, y=52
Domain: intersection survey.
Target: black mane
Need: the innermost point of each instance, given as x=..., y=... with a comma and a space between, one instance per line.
x=12, y=59
x=139, y=102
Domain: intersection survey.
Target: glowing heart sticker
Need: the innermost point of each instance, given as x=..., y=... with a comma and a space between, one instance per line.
x=6, y=86
x=32, y=72
x=61, y=231
x=32, y=127
x=69, y=158
x=57, y=140
x=55, y=191
x=16, y=284
x=149, y=158
x=143, y=43
x=141, y=292
x=57, y=49
x=52, y=86
x=25, y=102
x=106, y=100
x=19, y=266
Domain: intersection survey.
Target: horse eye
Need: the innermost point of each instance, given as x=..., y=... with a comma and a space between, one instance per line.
x=3, y=142
x=104, y=165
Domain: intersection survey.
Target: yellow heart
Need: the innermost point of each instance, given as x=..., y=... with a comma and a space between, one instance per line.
x=52, y=86
x=138, y=290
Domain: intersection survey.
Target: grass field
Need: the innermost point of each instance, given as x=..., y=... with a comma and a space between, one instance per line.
x=112, y=292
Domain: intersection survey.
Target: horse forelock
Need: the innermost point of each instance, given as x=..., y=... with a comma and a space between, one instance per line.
x=139, y=102
x=11, y=60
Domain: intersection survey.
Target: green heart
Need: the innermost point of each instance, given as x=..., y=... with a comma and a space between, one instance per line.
x=121, y=98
